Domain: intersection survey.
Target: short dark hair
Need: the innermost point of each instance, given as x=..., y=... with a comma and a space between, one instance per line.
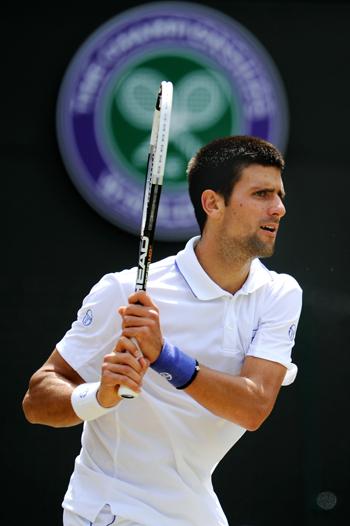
x=218, y=166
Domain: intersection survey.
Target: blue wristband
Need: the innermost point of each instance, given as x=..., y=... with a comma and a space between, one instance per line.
x=176, y=366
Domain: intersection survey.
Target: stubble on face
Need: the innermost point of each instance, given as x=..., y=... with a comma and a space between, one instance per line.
x=240, y=249
x=251, y=217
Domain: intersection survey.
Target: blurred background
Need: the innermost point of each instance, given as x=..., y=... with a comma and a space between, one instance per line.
x=295, y=468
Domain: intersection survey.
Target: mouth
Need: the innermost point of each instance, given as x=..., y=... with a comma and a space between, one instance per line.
x=270, y=229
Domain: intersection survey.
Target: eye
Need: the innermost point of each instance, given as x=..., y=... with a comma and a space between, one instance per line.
x=261, y=193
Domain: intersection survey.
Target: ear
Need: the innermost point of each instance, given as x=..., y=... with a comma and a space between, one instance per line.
x=212, y=203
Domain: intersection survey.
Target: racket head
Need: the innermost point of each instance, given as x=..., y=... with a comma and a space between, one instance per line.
x=164, y=102
x=158, y=148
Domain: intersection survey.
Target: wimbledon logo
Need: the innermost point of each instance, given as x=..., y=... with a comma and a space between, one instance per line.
x=225, y=83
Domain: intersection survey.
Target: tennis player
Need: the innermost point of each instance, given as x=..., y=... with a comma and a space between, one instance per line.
x=216, y=328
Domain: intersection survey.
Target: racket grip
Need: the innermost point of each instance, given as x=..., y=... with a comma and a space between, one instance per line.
x=124, y=391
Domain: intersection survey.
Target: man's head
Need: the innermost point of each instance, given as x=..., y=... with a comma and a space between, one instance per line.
x=218, y=166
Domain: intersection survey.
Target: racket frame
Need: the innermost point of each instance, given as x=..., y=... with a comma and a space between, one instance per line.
x=151, y=195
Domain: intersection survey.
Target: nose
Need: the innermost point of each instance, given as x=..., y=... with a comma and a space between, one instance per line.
x=278, y=209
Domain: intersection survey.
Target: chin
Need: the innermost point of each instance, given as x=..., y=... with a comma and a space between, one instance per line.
x=260, y=249
x=266, y=254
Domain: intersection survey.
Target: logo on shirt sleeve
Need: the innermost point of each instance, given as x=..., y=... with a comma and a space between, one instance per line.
x=291, y=332
x=87, y=320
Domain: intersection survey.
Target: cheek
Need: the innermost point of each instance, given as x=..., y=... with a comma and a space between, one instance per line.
x=240, y=220
x=242, y=216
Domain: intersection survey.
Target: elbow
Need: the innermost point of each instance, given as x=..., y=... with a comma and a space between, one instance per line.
x=257, y=417
x=253, y=425
x=32, y=416
x=30, y=404
x=28, y=409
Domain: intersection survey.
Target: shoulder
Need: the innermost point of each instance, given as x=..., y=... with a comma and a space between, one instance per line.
x=279, y=281
x=162, y=268
x=124, y=280
x=113, y=287
x=281, y=292
x=107, y=284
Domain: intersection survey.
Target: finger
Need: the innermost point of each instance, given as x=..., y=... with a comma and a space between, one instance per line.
x=111, y=379
x=141, y=297
x=132, y=309
x=137, y=321
x=138, y=310
x=139, y=353
x=145, y=363
x=122, y=368
x=129, y=346
x=115, y=371
x=124, y=358
x=134, y=333
x=117, y=366
x=126, y=344
x=121, y=310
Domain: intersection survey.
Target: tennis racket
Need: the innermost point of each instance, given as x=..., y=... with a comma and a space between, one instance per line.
x=152, y=190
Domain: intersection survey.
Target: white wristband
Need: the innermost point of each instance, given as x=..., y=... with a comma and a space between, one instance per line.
x=85, y=403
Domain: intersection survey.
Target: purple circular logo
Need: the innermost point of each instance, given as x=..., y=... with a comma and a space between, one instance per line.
x=224, y=81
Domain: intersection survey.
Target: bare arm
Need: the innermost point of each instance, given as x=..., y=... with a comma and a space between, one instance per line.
x=48, y=399
x=246, y=399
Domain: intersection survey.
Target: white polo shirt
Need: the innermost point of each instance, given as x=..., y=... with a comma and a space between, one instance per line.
x=152, y=458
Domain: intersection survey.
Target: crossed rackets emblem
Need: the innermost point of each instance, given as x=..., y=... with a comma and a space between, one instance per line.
x=199, y=102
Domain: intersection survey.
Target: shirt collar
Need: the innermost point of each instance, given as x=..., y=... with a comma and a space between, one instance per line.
x=203, y=287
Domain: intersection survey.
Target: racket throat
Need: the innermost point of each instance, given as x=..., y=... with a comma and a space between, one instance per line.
x=144, y=258
x=146, y=240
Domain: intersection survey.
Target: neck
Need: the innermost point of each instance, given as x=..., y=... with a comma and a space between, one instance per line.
x=229, y=273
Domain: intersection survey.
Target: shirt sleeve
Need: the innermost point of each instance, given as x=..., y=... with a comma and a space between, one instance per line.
x=96, y=329
x=275, y=336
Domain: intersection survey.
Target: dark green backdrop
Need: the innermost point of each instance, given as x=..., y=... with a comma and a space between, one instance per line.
x=56, y=247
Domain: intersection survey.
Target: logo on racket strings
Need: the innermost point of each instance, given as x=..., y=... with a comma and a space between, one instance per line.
x=224, y=83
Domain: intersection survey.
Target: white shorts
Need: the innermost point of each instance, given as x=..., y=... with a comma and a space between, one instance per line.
x=104, y=518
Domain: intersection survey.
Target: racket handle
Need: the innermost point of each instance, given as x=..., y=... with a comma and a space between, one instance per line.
x=127, y=393
x=124, y=391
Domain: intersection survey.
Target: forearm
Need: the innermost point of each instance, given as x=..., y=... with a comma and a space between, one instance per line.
x=48, y=401
x=235, y=398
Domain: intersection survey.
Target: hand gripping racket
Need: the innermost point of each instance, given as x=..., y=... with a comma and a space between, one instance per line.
x=153, y=186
